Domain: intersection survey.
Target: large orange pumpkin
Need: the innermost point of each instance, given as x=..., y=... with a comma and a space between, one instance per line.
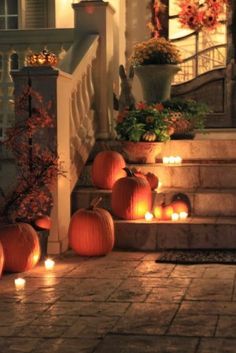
x=21, y=247
x=1, y=258
x=91, y=231
x=107, y=168
x=131, y=197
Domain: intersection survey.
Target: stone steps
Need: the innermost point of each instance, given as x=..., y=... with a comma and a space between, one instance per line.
x=204, y=202
x=194, y=233
x=187, y=175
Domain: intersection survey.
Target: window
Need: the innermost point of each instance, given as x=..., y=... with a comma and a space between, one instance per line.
x=8, y=14
x=201, y=51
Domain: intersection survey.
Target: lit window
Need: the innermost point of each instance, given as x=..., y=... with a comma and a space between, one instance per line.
x=8, y=14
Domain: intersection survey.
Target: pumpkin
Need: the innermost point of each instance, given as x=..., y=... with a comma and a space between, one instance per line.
x=107, y=168
x=149, y=136
x=43, y=222
x=1, y=258
x=91, y=231
x=21, y=247
x=181, y=203
x=152, y=179
x=131, y=197
x=163, y=212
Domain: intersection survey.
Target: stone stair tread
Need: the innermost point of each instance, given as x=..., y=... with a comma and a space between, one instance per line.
x=189, y=220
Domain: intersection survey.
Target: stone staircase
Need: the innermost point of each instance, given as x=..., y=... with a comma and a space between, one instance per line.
x=207, y=175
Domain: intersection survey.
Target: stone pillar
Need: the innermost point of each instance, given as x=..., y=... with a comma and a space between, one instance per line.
x=54, y=86
x=96, y=17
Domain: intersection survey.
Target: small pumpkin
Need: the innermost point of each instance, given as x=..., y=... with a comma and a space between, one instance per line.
x=43, y=222
x=152, y=179
x=107, y=168
x=149, y=136
x=1, y=259
x=131, y=197
x=21, y=247
x=91, y=231
x=181, y=203
x=163, y=212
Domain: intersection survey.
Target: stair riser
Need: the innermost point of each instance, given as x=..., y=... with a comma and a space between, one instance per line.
x=187, y=149
x=153, y=237
x=185, y=176
x=203, y=204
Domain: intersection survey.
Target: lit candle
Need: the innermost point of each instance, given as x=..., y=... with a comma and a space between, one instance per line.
x=175, y=216
x=171, y=159
x=178, y=159
x=183, y=215
x=49, y=264
x=148, y=216
x=20, y=283
x=165, y=160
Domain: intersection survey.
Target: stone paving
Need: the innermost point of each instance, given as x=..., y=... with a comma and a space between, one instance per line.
x=121, y=303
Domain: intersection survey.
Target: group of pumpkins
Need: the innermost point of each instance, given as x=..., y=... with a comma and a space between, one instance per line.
x=20, y=246
x=91, y=231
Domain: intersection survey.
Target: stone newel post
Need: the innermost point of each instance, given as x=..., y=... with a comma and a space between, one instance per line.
x=53, y=85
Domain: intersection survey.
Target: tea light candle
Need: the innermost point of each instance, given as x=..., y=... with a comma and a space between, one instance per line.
x=175, y=216
x=165, y=160
x=178, y=159
x=49, y=264
x=172, y=159
x=183, y=215
x=20, y=283
x=148, y=216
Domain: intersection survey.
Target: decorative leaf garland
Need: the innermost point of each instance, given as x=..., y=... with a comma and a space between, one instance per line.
x=201, y=14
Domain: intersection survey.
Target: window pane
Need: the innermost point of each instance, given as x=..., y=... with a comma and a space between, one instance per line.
x=2, y=23
x=173, y=8
x=175, y=29
x=187, y=46
x=12, y=7
x=12, y=22
x=2, y=7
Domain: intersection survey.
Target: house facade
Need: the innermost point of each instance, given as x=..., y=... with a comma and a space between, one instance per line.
x=91, y=40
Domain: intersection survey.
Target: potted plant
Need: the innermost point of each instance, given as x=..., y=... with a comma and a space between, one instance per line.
x=143, y=130
x=155, y=61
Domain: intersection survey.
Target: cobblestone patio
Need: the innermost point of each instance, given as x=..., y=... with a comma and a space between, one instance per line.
x=121, y=303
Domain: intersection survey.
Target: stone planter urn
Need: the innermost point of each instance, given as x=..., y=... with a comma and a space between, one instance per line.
x=141, y=152
x=156, y=81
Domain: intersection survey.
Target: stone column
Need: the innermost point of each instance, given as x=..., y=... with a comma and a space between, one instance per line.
x=96, y=17
x=55, y=86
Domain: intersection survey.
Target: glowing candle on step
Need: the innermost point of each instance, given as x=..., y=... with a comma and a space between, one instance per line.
x=183, y=215
x=49, y=264
x=148, y=216
x=172, y=159
x=178, y=160
x=20, y=283
x=175, y=216
x=165, y=160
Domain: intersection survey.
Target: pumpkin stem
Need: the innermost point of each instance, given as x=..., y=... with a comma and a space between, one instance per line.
x=94, y=203
x=129, y=172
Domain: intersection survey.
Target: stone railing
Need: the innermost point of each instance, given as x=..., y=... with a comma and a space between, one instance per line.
x=80, y=65
x=15, y=45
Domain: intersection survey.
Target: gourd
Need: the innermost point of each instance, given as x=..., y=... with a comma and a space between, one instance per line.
x=149, y=136
x=107, y=168
x=43, y=222
x=21, y=247
x=131, y=197
x=163, y=212
x=91, y=231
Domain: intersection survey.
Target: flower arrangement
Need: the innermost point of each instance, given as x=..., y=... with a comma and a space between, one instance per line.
x=201, y=14
x=155, y=51
x=158, y=122
x=37, y=166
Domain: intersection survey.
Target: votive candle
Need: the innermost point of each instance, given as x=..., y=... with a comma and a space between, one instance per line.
x=20, y=283
x=49, y=264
